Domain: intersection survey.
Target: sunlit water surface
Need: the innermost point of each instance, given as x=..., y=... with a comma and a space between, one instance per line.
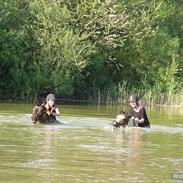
x=85, y=148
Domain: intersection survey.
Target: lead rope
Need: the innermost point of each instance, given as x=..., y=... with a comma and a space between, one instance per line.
x=135, y=124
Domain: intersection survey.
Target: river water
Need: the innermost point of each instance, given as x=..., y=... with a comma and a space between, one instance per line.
x=86, y=149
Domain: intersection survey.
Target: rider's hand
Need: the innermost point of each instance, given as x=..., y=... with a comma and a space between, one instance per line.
x=136, y=120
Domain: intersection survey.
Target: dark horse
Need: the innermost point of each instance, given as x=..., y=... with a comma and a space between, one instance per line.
x=39, y=114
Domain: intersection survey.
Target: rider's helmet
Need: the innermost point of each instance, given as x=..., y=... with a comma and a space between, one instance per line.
x=50, y=97
x=132, y=99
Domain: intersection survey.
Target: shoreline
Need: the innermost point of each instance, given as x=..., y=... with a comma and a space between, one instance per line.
x=86, y=102
x=171, y=106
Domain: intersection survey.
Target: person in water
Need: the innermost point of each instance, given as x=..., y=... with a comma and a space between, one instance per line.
x=46, y=112
x=51, y=110
x=138, y=112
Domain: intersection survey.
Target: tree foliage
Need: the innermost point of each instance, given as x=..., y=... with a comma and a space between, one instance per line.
x=86, y=48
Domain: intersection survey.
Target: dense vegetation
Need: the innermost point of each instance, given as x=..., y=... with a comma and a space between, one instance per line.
x=92, y=49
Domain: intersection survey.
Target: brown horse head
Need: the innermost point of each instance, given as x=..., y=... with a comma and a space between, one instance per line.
x=121, y=119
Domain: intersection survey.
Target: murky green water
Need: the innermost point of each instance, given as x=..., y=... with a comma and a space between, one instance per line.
x=86, y=149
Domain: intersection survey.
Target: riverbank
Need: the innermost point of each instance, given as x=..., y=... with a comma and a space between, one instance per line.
x=91, y=102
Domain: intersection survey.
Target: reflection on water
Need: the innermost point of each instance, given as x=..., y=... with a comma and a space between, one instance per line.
x=131, y=139
x=87, y=149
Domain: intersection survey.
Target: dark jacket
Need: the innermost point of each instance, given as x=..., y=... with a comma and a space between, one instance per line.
x=141, y=114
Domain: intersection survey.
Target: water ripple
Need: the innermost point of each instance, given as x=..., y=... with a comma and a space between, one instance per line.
x=105, y=149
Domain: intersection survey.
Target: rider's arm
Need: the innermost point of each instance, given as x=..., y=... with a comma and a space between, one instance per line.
x=139, y=120
x=142, y=114
x=56, y=112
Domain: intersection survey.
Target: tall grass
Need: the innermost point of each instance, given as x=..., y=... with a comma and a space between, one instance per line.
x=149, y=96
